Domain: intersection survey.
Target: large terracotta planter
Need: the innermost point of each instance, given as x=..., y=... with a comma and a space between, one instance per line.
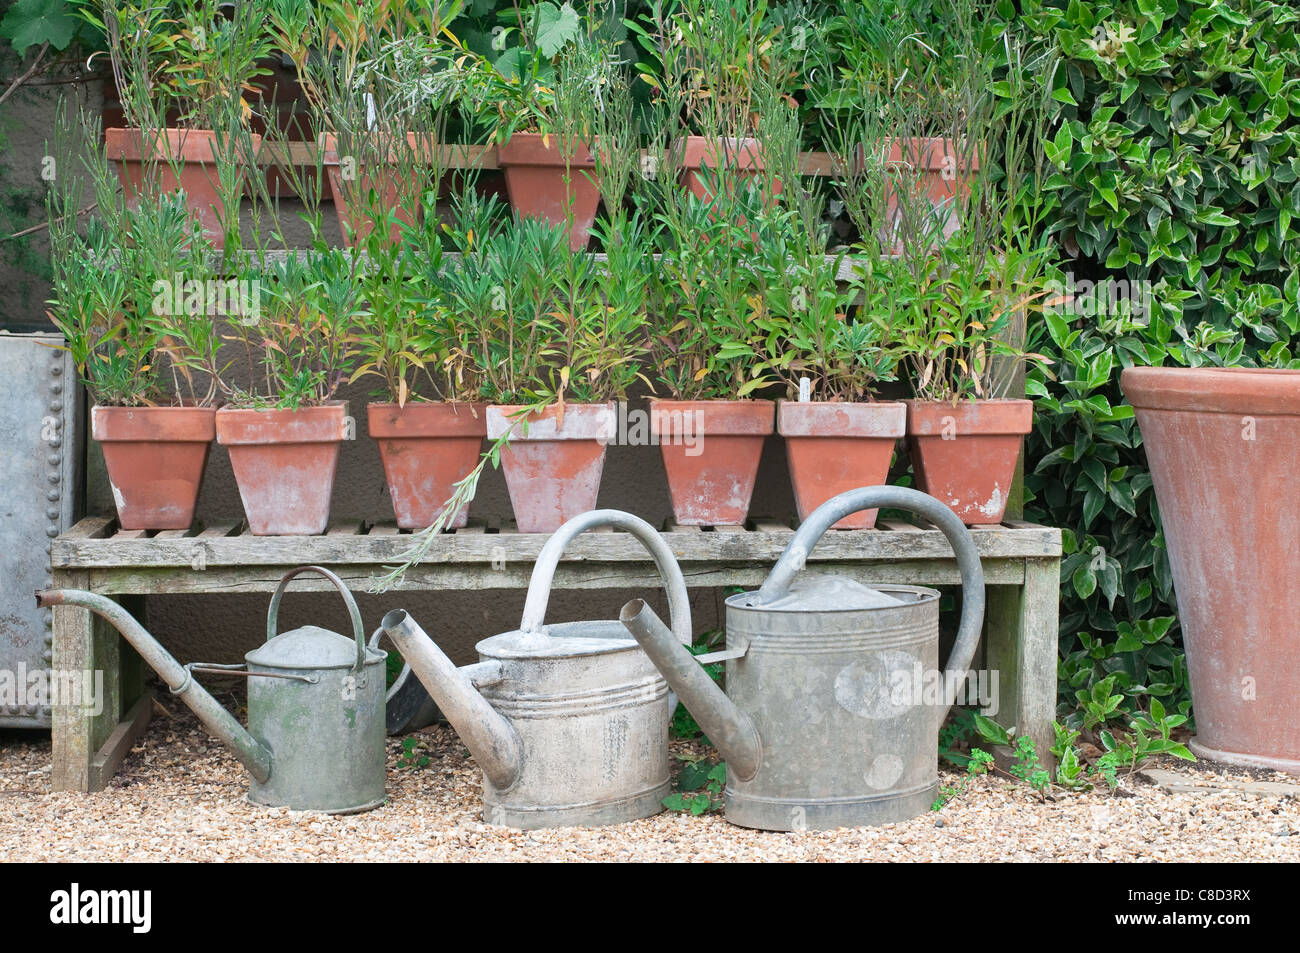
x=711, y=450
x=155, y=458
x=197, y=151
x=535, y=180
x=427, y=448
x=1223, y=445
x=349, y=185
x=834, y=447
x=553, y=470
x=284, y=463
x=965, y=453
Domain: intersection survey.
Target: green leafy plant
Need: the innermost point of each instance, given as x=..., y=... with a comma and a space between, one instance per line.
x=700, y=784
x=411, y=756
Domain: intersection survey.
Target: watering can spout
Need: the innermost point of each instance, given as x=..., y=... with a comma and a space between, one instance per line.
x=251, y=753
x=489, y=737
x=730, y=729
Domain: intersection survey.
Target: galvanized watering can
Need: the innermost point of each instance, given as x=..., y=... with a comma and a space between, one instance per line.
x=315, y=737
x=569, y=721
x=822, y=725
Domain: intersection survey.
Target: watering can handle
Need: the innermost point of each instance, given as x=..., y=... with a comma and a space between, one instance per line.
x=272, y=614
x=870, y=498
x=539, y=585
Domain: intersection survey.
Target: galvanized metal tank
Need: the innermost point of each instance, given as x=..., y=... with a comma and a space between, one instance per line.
x=569, y=721
x=319, y=708
x=827, y=721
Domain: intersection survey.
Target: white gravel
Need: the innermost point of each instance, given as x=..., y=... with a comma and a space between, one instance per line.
x=180, y=796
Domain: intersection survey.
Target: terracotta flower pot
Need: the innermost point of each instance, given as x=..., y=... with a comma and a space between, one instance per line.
x=937, y=173
x=1223, y=445
x=833, y=447
x=348, y=189
x=965, y=454
x=197, y=151
x=284, y=463
x=427, y=448
x=744, y=157
x=155, y=458
x=552, y=471
x=535, y=173
x=711, y=450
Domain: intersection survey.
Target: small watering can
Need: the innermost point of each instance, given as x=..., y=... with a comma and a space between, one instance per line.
x=826, y=721
x=568, y=721
x=315, y=737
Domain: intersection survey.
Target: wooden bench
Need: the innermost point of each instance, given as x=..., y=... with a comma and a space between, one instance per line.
x=1021, y=567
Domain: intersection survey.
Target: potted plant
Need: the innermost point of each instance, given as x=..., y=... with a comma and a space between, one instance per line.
x=429, y=420
x=708, y=59
x=181, y=71
x=971, y=291
x=709, y=429
x=552, y=334
x=284, y=429
x=535, y=99
x=805, y=337
x=134, y=304
x=377, y=78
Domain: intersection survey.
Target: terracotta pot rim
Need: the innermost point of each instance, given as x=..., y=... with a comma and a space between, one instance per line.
x=427, y=419
x=992, y=417
x=1263, y=391
x=864, y=420
x=721, y=418
x=697, y=154
x=126, y=144
x=174, y=424
x=527, y=148
x=593, y=422
x=244, y=426
x=421, y=142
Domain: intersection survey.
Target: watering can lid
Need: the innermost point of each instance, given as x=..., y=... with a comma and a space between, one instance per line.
x=309, y=647
x=817, y=592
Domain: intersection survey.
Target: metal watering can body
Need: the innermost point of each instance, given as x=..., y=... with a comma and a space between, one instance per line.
x=568, y=721
x=315, y=736
x=829, y=719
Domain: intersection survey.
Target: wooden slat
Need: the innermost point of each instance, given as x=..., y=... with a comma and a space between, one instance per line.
x=472, y=528
x=220, y=528
x=898, y=526
x=114, y=751
x=1022, y=524
x=92, y=527
x=124, y=535
x=771, y=526
x=385, y=529
x=174, y=533
x=344, y=528
x=729, y=543
x=678, y=528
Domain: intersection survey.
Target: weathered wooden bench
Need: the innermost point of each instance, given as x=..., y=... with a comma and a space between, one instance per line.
x=1021, y=566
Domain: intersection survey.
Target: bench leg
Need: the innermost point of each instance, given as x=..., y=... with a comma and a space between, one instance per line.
x=1021, y=646
x=87, y=741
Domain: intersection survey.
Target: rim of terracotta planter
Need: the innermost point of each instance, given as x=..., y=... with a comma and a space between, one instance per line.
x=528, y=148
x=188, y=145
x=1000, y=415
x=886, y=419
x=717, y=417
x=701, y=152
x=387, y=420
x=245, y=426
x=109, y=424
x=1257, y=391
x=926, y=152
x=423, y=145
x=581, y=422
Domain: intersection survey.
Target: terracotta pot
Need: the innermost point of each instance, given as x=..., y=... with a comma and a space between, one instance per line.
x=404, y=194
x=1223, y=445
x=939, y=180
x=535, y=175
x=284, y=463
x=552, y=471
x=155, y=458
x=743, y=156
x=197, y=150
x=965, y=454
x=711, y=450
x=833, y=447
x=427, y=448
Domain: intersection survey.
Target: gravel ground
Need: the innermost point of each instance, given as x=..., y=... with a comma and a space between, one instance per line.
x=181, y=797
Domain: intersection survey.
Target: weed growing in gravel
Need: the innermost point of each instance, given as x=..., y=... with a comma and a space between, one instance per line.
x=699, y=786
x=410, y=758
